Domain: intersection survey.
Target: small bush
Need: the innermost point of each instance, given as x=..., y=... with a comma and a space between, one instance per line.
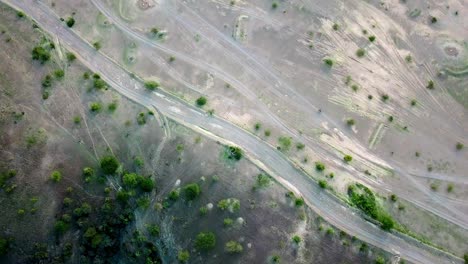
x=257, y=126
x=430, y=85
x=201, y=101
x=296, y=239
x=191, y=191
x=55, y=176
x=328, y=62
x=298, y=202
x=151, y=85
x=70, y=22
x=41, y=54
x=385, y=97
x=372, y=38
x=174, y=195
x=274, y=5
x=360, y=53
x=97, y=45
x=70, y=57
x=20, y=14
x=459, y=146
x=323, y=184
x=227, y=222
x=336, y=26
x=319, y=166
x=183, y=256
x=347, y=158
x=146, y=184
x=61, y=227
x=233, y=247
x=109, y=164
x=413, y=102
x=130, y=180
x=234, y=153
x=95, y=107
x=350, y=122
x=205, y=241
x=59, y=74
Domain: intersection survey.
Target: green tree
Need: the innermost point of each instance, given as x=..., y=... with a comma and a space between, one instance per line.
x=323, y=184
x=61, y=227
x=347, y=158
x=70, y=22
x=183, y=256
x=55, y=176
x=234, y=153
x=95, y=107
x=151, y=85
x=319, y=166
x=233, y=247
x=109, y=164
x=191, y=191
x=201, y=101
x=130, y=180
x=41, y=54
x=205, y=241
x=296, y=239
x=146, y=184
x=4, y=246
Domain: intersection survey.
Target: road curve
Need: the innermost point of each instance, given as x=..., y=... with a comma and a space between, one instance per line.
x=322, y=202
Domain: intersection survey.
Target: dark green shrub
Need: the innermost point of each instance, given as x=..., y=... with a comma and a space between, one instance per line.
x=205, y=241
x=95, y=107
x=430, y=84
x=347, y=158
x=233, y=247
x=41, y=54
x=59, y=74
x=350, y=122
x=146, y=184
x=183, y=256
x=70, y=57
x=151, y=85
x=109, y=164
x=372, y=38
x=328, y=62
x=56, y=176
x=323, y=184
x=61, y=227
x=360, y=53
x=20, y=14
x=130, y=180
x=319, y=166
x=191, y=191
x=234, y=153
x=97, y=45
x=201, y=101
x=296, y=239
x=70, y=22
x=459, y=146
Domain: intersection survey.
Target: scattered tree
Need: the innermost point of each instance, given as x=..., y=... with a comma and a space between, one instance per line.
x=323, y=184
x=151, y=85
x=328, y=62
x=109, y=164
x=191, y=191
x=205, y=241
x=319, y=166
x=95, y=107
x=201, y=101
x=55, y=176
x=347, y=158
x=233, y=247
x=41, y=54
x=70, y=22
x=183, y=256
x=296, y=239
x=360, y=53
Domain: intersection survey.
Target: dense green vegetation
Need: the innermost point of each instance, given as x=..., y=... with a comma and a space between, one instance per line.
x=364, y=199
